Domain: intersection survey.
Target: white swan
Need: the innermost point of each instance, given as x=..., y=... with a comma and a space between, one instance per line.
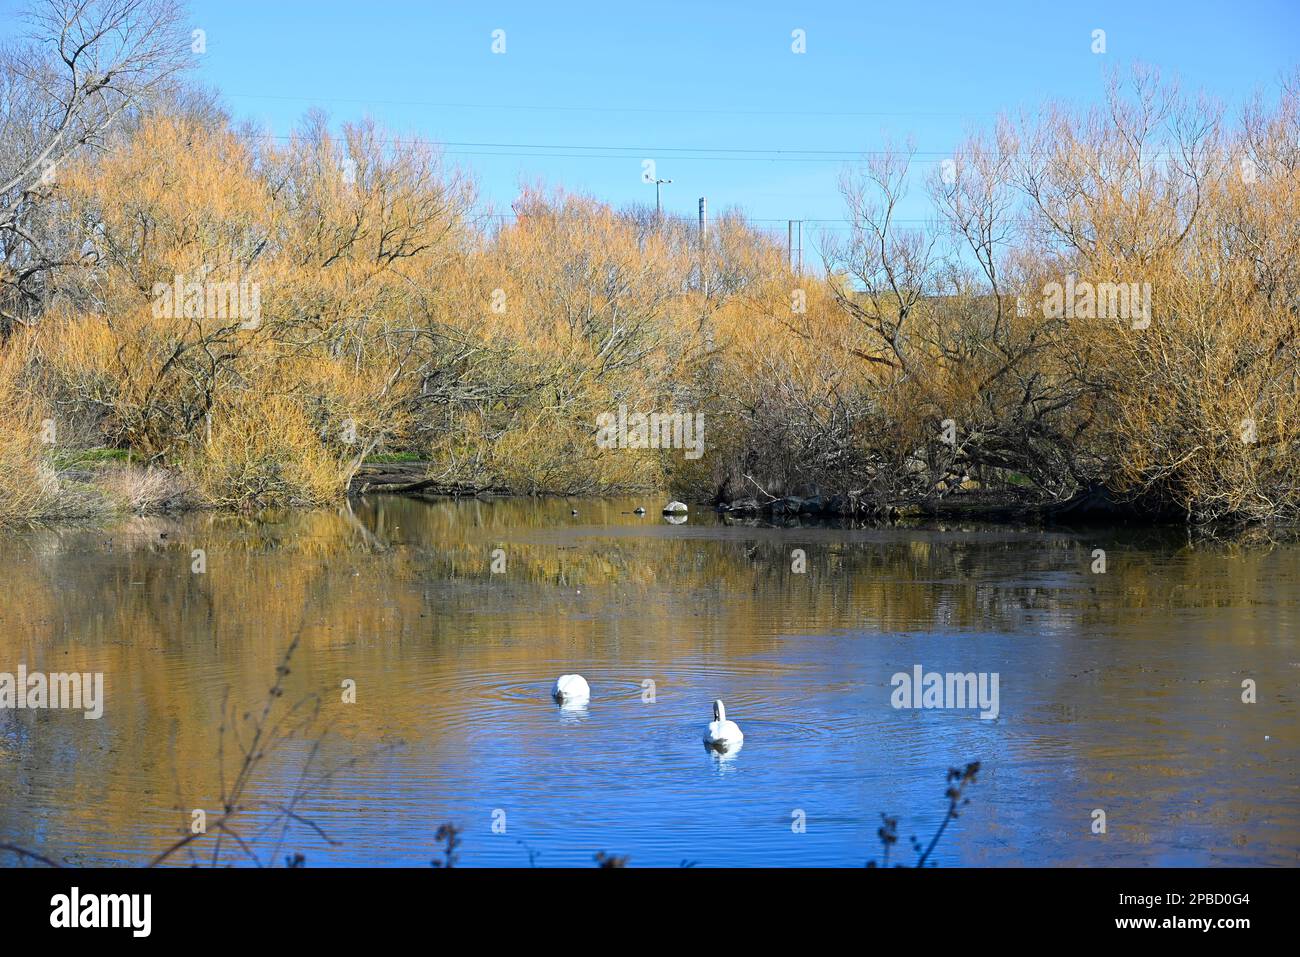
x=722, y=734
x=675, y=508
x=571, y=689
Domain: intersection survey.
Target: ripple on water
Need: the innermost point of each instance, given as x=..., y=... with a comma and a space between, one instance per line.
x=1104, y=702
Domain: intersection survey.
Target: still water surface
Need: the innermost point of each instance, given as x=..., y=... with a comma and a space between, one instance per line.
x=1118, y=691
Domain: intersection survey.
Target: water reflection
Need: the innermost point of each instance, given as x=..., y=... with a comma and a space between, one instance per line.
x=1119, y=691
x=573, y=711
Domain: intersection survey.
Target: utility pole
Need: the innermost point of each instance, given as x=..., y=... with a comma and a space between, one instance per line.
x=704, y=237
x=789, y=242
x=659, y=208
x=800, y=270
x=793, y=249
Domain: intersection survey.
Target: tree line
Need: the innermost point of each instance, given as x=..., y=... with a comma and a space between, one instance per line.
x=1105, y=303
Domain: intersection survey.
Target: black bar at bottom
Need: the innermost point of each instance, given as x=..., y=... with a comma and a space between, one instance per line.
x=332, y=906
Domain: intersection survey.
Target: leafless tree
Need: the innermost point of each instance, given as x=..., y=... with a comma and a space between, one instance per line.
x=81, y=67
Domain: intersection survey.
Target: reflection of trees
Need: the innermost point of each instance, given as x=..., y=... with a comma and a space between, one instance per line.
x=394, y=588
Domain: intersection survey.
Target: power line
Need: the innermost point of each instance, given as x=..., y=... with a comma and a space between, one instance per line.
x=641, y=152
x=839, y=224
x=516, y=149
x=557, y=108
x=682, y=149
x=639, y=156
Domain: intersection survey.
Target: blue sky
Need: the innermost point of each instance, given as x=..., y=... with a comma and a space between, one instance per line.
x=610, y=84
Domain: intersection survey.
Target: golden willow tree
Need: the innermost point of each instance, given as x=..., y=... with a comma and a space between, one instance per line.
x=254, y=314
x=1109, y=302
x=1112, y=303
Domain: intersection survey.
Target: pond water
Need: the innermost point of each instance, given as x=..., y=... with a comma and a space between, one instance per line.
x=1118, y=692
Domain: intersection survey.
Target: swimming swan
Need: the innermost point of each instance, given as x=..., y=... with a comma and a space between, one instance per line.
x=571, y=688
x=722, y=734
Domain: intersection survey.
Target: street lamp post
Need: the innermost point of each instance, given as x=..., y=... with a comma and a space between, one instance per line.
x=659, y=208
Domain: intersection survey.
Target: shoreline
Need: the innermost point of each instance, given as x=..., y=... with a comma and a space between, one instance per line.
x=92, y=500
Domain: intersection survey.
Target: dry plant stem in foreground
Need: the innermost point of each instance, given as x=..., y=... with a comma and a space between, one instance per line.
x=957, y=780
x=258, y=735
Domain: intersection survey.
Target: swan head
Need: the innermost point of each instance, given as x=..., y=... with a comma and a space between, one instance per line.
x=719, y=712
